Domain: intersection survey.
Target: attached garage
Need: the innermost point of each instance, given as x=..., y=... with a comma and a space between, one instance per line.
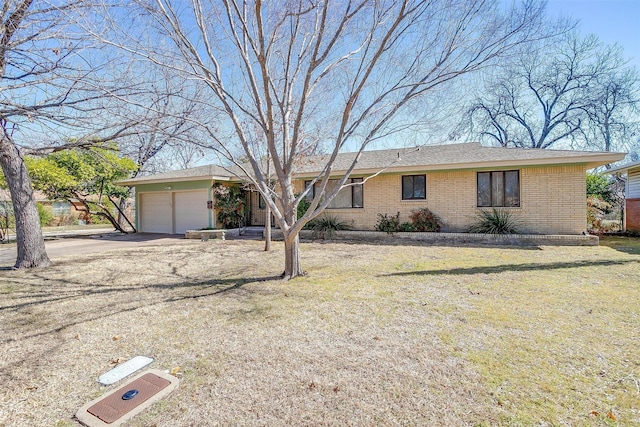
x=173, y=212
x=190, y=211
x=176, y=201
x=155, y=211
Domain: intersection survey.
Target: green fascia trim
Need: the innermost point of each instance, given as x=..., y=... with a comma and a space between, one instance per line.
x=174, y=186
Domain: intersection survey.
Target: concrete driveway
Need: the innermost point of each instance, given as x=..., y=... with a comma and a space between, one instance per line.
x=61, y=247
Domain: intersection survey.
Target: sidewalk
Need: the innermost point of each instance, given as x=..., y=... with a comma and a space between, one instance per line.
x=52, y=234
x=82, y=242
x=78, y=232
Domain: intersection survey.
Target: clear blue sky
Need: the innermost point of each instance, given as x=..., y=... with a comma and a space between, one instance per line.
x=613, y=21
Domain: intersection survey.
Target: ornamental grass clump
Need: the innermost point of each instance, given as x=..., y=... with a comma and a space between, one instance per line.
x=495, y=222
x=325, y=227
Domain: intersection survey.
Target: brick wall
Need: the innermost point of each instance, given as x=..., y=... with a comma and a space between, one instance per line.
x=632, y=212
x=552, y=200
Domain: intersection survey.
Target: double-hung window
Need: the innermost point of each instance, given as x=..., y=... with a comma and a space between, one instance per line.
x=351, y=196
x=414, y=187
x=499, y=189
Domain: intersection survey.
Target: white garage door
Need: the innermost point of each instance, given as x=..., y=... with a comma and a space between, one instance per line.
x=155, y=212
x=190, y=210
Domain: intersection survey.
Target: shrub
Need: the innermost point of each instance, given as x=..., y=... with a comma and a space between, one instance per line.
x=495, y=222
x=101, y=219
x=600, y=186
x=324, y=227
x=303, y=206
x=406, y=226
x=425, y=220
x=46, y=214
x=388, y=223
x=230, y=205
x=596, y=210
x=66, y=219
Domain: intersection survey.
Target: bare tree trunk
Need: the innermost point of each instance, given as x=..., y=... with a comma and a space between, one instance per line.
x=267, y=228
x=122, y=215
x=102, y=212
x=292, y=264
x=122, y=207
x=30, y=243
x=267, y=220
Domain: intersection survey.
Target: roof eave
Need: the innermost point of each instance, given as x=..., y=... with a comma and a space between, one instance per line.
x=134, y=182
x=624, y=168
x=591, y=161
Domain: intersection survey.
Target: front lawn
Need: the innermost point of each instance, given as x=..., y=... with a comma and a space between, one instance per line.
x=373, y=335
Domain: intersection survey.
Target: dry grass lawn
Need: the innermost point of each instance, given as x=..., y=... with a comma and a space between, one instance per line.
x=373, y=336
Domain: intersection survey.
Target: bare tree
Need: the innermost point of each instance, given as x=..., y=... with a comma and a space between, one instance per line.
x=555, y=92
x=613, y=110
x=166, y=136
x=297, y=76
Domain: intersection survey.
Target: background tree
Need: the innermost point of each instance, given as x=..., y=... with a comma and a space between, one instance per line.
x=567, y=89
x=166, y=134
x=54, y=85
x=86, y=178
x=296, y=77
x=614, y=109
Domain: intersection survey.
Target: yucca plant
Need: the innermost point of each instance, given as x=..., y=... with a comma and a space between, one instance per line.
x=495, y=222
x=325, y=227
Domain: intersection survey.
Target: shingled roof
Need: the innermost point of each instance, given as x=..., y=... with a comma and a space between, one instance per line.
x=625, y=168
x=206, y=172
x=458, y=156
x=426, y=158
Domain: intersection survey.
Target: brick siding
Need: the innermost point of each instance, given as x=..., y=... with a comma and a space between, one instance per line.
x=632, y=212
x=552, y=200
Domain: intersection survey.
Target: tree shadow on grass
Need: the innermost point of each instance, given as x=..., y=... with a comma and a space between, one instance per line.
x=525, y=246
x=152, y=295
x=627, y=244
x=47, y=331
x=495, y=269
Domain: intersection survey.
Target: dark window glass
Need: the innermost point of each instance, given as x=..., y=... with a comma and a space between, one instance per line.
x=358, y=193
x=348, y=197
x=414, y=187
x=499, y=189
x=484, y=189
x=261, y=204
x=310, y=194
x=512, y=188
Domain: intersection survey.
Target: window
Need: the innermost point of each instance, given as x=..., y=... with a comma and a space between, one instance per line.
x=347, y=197
x=499, y=189
x=414, y=187
x=261, y=203
x=61, y=208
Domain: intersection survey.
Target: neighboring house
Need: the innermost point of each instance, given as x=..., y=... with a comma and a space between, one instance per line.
x=545, y=189
x=59, y=208
x=631, y=219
